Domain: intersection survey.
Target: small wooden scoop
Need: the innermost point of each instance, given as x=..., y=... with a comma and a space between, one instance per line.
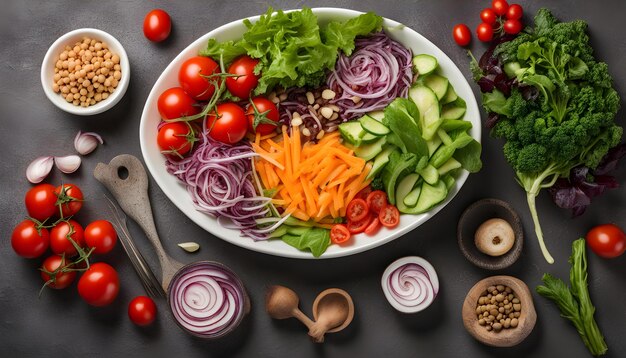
x=282, y=303
x=333, y=310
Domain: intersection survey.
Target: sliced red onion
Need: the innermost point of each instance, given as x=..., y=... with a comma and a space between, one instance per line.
x=67, y=164
x=39, y=169
x=207, y=299
x=87, y=142
x=410, y=284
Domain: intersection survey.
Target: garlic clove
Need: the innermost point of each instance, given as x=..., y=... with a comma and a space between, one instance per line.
x=189, y=246
x=67, y=164
x=87, y=142
x=39, y=169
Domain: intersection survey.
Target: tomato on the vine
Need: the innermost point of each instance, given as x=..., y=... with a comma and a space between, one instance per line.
x=462, y=34
x=99, y=285
x=260, y=121
x=514, y=12
x=229, y=125
x=245, y=81
x=489, y=16
x=389, y=216
x=101, y=235
x=175, y=103
x=175, y=138
x=376, y=200
x=60, y=279
x=41, y=202
x=29, y=242
x=512, y=27
x=142, y=310
x=59, y=242
x=70, y=197
x=499, y=6
x=484, y=32
x=157, y=25
x=357, y=209
x=192, y=77
x=607, y=240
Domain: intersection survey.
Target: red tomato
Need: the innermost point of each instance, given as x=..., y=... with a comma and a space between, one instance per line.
x=175, y=138
x=242, y=85
x=59, y=280
x=373, y=227
x=175, y=103
x=389, y=216
x=99, y=285
x=259, y=123
x=364, y=193
x=157, y=25
x=59, y=242
x=230, y=125
x=376, y=200
x=489, y=16
x=607, y=240
x=142, y=310
x=515, y=12
x=357, y=227
x=357, y=209
x=339, y=234
x=41, y=202
x=512, y=27
x=484, y=32
x=462, y=34
x=499, y=6
x=192, y=77
x=27, y=241
x=100, y=235
x=70, y=197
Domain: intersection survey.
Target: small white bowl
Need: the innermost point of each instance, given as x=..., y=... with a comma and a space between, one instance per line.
x=70, y=38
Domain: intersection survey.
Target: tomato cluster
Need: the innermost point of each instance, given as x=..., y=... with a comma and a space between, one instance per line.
x=202, y=83
x=497, y=19
x=52, y=225
x=365, y=214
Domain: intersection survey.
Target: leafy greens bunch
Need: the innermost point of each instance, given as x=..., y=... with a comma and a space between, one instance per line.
x=552, y=103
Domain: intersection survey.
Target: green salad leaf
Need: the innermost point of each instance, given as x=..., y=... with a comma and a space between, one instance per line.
x=316, y=240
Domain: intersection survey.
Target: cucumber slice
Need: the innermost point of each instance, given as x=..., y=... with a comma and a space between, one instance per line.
x=429, y=173
x=371, y=150
x=428, y=106
x=452, y=113
x=449, y=180
x=450, y=95
x=433, y=144
x=351, y=132
x=445, y=138
x=451, y=164
x=424, y=64
x=377, y=115
x=438, y=84
x=449, y=125
x=369, y=138
x=380, y=161
x=279, y=232
x=373, y=126
x=430, y=196
x=411, y=199
x=404, y=188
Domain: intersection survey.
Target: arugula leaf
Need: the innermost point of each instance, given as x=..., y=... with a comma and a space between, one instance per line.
x=316, y=240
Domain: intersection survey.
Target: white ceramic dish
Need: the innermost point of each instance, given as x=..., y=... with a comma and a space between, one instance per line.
x=234, y=30
x=49, y=61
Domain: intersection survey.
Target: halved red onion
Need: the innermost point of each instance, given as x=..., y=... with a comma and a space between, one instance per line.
x=410, y=284
x=39, y=169
x=207, y=299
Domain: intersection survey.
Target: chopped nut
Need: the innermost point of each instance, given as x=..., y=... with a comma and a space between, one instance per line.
x=310, y=98
x=306, y=132
x=328, y=94
x=327, y=112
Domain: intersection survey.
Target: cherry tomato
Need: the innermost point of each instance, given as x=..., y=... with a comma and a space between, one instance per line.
x=373, y=227
x=230, y=125
x=175, y=103
x=100, y=235
x=515, y=12
x=242, y=85
x=41, y=202
x=61, y=279
x=607, y=240
x=389, y=216
x=192, y=77
x=339, y=234
x=70, y=197
x=357, y=227
x=258, y=123
x=489, y=16
x=462, y=35
x=357, y=209
x=175, y=138
x=376, y=200
x=27, y=241
x=142, y=310
x=59, y=242
x=99, y=285
x=484, y=32
x=157, y=25
x=499, y=6
x=512, y=27
x=364, y=193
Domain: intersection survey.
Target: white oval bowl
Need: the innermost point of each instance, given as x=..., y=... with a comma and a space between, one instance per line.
x=177, y=193
x=55, y=50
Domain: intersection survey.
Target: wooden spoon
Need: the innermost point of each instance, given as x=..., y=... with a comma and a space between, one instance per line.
x=333, y=310
x=281, y=303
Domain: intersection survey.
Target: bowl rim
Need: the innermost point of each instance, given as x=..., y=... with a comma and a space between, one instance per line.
x=47, y=72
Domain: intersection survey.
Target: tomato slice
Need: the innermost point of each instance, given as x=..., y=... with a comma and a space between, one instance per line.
x=389, y=216
x=357, y=210
x=358, y=226
x=339, y=234
x=373, y=227
x=376, y=200
x=364, y=192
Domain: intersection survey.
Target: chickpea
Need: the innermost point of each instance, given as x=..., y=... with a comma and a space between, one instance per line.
x=115, y=59
x=105, y=95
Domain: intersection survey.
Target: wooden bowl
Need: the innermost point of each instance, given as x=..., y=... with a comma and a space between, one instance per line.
x=506, y=337
x=473, y=217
